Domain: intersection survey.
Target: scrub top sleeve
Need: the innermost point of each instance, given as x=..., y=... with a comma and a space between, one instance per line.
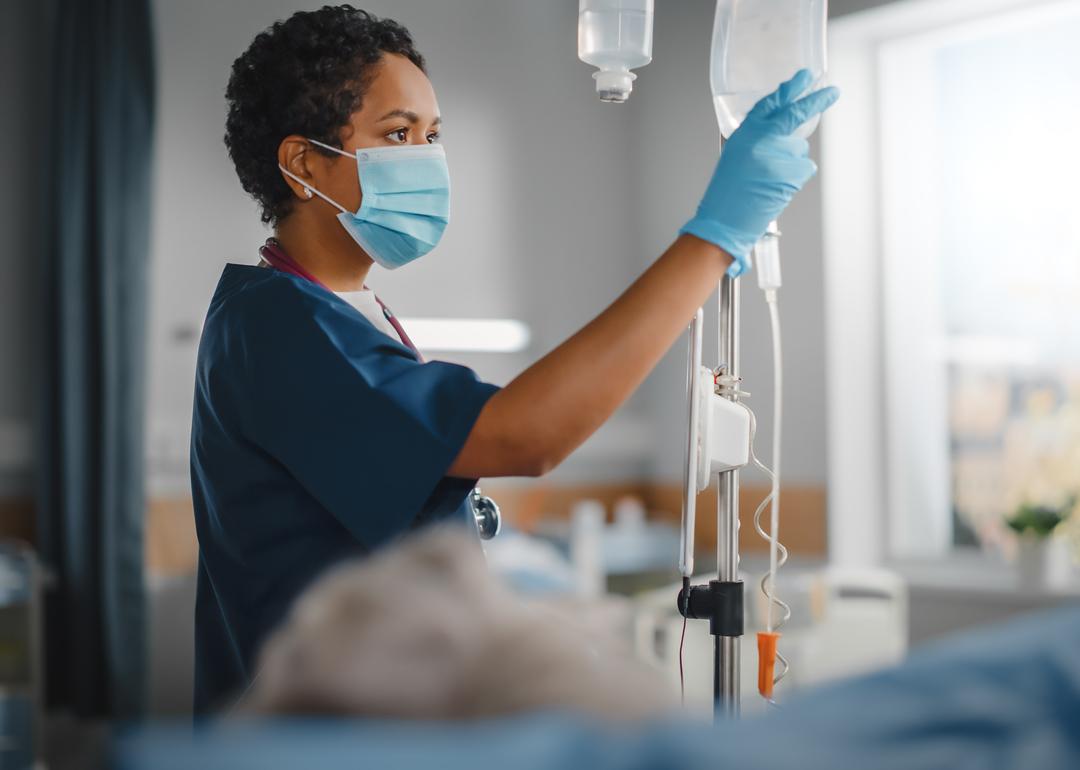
x=365, y=428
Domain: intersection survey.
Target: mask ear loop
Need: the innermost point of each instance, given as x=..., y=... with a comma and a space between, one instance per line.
x=308, y=188
x=311, y=189
x=338, y=150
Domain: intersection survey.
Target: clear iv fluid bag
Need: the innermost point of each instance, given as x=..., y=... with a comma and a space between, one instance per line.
x=757, y=45
x=615, y=36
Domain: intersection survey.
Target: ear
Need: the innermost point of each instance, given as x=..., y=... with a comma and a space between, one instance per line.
x=293, y=154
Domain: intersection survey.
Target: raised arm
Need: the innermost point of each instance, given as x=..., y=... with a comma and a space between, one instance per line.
x=532, y=424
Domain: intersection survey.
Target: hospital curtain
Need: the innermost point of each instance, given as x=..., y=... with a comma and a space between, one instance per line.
x=93, y=316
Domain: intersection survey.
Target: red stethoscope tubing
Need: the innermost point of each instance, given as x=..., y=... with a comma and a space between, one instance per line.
x=279, y=259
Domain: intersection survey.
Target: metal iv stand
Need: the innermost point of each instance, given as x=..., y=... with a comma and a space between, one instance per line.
x=727, y=643
x=721, y=601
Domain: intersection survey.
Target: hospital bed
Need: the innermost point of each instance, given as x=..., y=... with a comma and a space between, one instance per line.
x=1007, y=697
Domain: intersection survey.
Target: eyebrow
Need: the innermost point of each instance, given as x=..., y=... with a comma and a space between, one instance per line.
x=409, y=115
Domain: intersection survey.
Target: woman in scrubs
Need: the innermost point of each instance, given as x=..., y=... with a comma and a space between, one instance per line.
x=319, y=433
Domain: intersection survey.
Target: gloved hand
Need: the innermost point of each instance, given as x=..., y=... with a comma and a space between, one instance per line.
x=761, y=168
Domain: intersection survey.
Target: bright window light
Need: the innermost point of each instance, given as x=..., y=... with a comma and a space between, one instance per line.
x=980, y=275
x=467, y=335
x=952, y=256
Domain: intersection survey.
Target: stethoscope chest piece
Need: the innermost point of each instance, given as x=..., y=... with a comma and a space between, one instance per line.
x=488, y=517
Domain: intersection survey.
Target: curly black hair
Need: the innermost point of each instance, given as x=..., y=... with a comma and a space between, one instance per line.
x=305, y=75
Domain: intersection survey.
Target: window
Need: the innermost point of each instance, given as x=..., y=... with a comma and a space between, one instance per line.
x=978, y=265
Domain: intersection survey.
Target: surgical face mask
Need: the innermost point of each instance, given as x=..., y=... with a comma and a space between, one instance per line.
x=404, y=204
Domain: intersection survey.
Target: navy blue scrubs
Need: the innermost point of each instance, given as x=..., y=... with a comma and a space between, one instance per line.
x=315, y=437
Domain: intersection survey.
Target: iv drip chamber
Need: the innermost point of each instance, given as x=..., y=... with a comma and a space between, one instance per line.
x=615, y=36
x=756, y=46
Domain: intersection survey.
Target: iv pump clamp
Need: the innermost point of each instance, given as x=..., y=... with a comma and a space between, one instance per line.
x=719, y=602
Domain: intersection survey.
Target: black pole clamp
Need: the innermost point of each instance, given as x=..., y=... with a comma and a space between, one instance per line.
x=719, y=603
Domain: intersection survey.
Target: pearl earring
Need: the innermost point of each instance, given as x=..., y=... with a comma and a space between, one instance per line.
x=307, y=192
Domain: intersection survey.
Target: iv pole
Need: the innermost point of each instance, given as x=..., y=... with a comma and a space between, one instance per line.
x=727, y=648
x=721, y=601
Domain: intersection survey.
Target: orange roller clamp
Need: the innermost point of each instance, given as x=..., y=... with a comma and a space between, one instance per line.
x=766, y=648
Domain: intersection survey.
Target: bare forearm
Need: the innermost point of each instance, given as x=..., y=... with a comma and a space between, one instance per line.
x=551, y=408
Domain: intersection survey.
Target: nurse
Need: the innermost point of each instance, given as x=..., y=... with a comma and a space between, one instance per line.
x=319, y=432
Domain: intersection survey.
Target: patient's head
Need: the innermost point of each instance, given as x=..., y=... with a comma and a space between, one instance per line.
x=422, y=630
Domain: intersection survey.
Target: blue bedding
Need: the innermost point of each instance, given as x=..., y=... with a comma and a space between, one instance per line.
x=1002, y=698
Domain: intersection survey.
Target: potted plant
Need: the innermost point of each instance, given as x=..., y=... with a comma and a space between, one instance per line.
x=1041, y=562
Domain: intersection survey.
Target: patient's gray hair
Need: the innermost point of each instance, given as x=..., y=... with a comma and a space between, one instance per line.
x=422, y=630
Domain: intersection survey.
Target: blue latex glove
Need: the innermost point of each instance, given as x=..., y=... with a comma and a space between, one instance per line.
x=761, y=168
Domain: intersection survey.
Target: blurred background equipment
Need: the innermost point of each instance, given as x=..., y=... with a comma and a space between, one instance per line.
x=844, y=622
x=21, y=656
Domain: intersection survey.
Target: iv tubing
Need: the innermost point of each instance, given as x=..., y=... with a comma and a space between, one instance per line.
x=782, y=553
x=686, y=535
x=774, y=520
x=768, y=258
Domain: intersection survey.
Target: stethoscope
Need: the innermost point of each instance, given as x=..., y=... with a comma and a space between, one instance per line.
x=485, y=511
x=487, y=514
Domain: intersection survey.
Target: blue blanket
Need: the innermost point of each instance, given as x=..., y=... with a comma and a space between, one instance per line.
x=1002, y=698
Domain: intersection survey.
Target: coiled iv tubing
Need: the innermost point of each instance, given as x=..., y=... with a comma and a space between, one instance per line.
x=778, y=553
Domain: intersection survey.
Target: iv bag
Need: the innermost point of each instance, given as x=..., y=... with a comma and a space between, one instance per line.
x=615, y=36
x=757, y=45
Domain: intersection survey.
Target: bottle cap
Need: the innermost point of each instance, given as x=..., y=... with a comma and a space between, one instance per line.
x=614, y=85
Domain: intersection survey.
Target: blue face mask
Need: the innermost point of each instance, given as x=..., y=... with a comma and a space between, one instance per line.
x=404, y=204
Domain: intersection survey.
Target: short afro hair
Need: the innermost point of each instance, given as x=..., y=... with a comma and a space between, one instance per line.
x=306, y=75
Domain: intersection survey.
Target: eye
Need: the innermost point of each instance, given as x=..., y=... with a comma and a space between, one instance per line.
x=433, y=137
x=399, y=136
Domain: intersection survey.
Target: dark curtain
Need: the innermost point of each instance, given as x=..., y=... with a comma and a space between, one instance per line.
x=94, y=278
